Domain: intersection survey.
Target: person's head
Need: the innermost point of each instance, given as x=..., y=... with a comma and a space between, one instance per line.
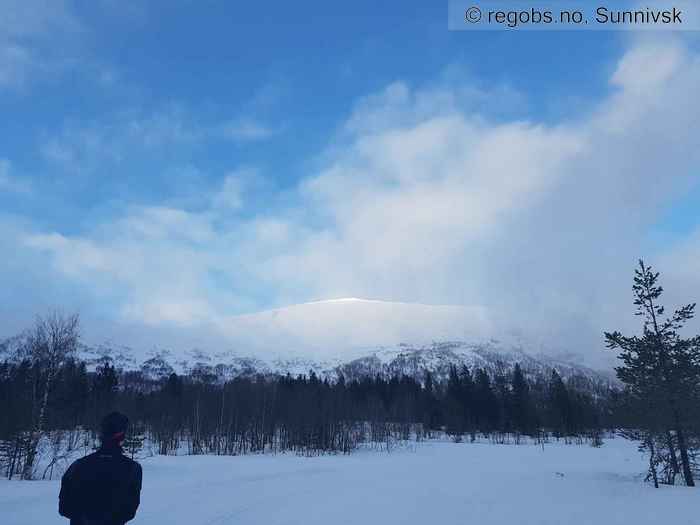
x=113, y=429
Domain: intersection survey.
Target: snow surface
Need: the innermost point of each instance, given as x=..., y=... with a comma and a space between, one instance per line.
x=433, y=482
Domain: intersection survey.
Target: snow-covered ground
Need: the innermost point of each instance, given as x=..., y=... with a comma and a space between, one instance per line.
x=435, y=482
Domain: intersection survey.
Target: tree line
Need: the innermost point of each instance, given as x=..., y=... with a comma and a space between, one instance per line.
x=46, y=391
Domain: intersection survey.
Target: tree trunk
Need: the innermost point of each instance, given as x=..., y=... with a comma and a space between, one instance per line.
x=672, y=452
x=36, y=433
x=685, y=460
x=652, y=461
x=16, y=452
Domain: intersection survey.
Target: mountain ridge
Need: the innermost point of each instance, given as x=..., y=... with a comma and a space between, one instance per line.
x=404, y=359
x=351, y=337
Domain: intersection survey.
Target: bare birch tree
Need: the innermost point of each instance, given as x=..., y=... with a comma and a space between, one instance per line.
x=51, y=342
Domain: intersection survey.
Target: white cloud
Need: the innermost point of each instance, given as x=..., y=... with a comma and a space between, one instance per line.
x=428, y=200
x=235, y=189
x=682, y=284
x=151, y=261
x=634, y=74
x=182, y=312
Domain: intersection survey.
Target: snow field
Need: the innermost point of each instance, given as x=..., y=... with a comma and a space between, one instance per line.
x=433, y=482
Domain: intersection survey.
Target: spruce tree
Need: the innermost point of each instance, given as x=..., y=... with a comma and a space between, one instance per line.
x=467, y=399
x=521, y=403
x=485, y=402
x=454, y=410
x=559, y=406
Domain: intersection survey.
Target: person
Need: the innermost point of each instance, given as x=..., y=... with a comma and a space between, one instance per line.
x=103, y=488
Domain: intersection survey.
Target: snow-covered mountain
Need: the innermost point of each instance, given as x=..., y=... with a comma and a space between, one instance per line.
x=403, y=359
x=347, y=327
x=437, y=358
x=355, y=338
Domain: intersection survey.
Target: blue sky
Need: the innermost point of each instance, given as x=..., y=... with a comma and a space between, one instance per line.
x=174, y=163
x=295, y=71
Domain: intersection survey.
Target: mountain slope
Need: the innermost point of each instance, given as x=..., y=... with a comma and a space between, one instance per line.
x=412, y=360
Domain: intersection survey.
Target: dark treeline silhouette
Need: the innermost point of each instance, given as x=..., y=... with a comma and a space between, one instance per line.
x=501, y=406
x=197, y=413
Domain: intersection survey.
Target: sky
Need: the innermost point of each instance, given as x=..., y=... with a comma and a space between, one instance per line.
x=166, y=166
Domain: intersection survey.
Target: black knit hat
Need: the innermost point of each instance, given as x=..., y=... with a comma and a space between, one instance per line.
x=113, y=427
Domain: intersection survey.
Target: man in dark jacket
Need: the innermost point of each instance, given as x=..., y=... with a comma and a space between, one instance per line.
x=103, y=488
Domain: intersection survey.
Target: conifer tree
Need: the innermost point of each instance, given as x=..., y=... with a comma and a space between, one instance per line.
x=661, y=370
x=454, y=408
x=559, y=405
x=467, y=398
x=485, y=402
x=521, y=402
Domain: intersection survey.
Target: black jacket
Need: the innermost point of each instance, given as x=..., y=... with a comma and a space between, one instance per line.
x=103, y=488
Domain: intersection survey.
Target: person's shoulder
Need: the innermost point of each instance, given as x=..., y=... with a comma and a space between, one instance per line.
x=135, y=465
x=88, y=458
x=78, y=464
x=85, y=459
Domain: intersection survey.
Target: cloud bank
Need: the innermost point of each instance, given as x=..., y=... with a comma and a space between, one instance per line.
x=422, y=198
